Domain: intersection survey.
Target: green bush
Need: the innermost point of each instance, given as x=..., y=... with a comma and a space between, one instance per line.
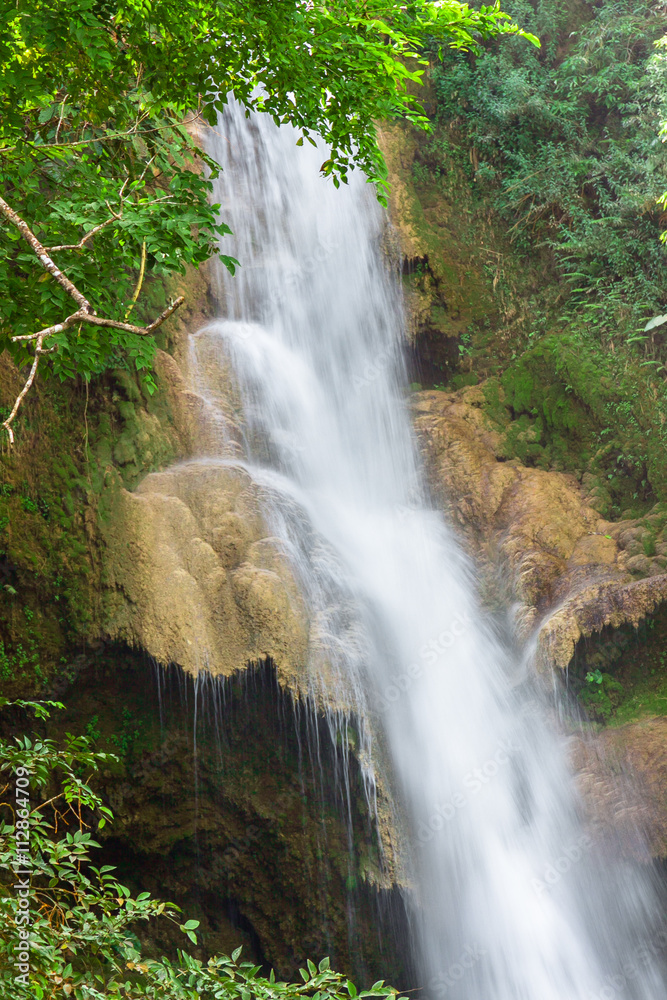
x=601, y=695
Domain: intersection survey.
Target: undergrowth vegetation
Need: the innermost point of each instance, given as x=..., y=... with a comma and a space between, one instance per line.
x=548, y=168
x=565, y=145
x=68, y=928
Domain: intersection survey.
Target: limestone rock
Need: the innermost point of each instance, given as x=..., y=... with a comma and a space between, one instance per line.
x=195, y=578
x=570, y=570
x=592, y=607
x=622, y=774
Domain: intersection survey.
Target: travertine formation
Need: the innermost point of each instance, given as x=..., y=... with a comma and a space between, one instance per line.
x=622, y=774
x=197, y=581
x=573, y=572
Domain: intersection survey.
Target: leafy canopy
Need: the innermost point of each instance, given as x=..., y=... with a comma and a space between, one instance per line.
x=100, y=101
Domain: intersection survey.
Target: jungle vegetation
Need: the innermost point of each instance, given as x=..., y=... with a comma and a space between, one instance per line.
x=568, y=148
x=561, y=153
x=103, y=181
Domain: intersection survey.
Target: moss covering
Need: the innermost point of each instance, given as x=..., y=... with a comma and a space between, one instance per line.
x=621, y=674
x=233, y=804
x=75, y=445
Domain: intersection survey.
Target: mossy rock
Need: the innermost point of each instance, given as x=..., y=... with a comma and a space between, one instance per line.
x=566, y=405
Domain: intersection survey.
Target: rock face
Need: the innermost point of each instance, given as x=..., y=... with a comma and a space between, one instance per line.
x=572, y=571
x=194, y=579
x=191, y=574
x=228, y=802
x=622, y=774
x=573, y=574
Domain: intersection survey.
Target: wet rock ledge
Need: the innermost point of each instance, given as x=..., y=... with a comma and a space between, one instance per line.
x=588, y=592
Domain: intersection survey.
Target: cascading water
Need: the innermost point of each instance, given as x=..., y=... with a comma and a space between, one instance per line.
x=313, y=334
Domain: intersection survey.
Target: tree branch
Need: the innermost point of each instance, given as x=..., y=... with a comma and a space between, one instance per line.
x=7, y=424
x=114, y=217
x=137, y=290
x=83, y=317
x=84, y=314
x=166, y=314
x=43, y=256
x=81, y=244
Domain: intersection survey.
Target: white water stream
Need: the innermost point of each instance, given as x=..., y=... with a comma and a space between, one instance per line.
x=313, y=328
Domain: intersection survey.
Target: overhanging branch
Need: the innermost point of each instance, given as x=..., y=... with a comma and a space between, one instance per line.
x=84, y=314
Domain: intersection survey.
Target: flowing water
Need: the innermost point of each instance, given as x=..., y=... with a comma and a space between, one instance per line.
x=511, y=900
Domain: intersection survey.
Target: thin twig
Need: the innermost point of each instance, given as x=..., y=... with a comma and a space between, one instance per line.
x=89, y=235
x=166, y=314
x=526, y=178
x=85, y=313
x=48, y=802
x=62, y=115
x=19, y=399
x=143, y=172
x=140, y=282
x=114, y=217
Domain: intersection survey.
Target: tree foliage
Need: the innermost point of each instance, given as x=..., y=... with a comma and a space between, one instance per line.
x=567, y=149
x=99, y=102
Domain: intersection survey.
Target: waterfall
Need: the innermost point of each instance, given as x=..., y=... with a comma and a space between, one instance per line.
x=512, y=900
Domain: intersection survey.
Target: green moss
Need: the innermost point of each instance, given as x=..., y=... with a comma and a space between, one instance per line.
x=648, y=699
x=464, y=379
x=235, y=811
x=565, y=404
x=72, y=448
x=626, y=670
